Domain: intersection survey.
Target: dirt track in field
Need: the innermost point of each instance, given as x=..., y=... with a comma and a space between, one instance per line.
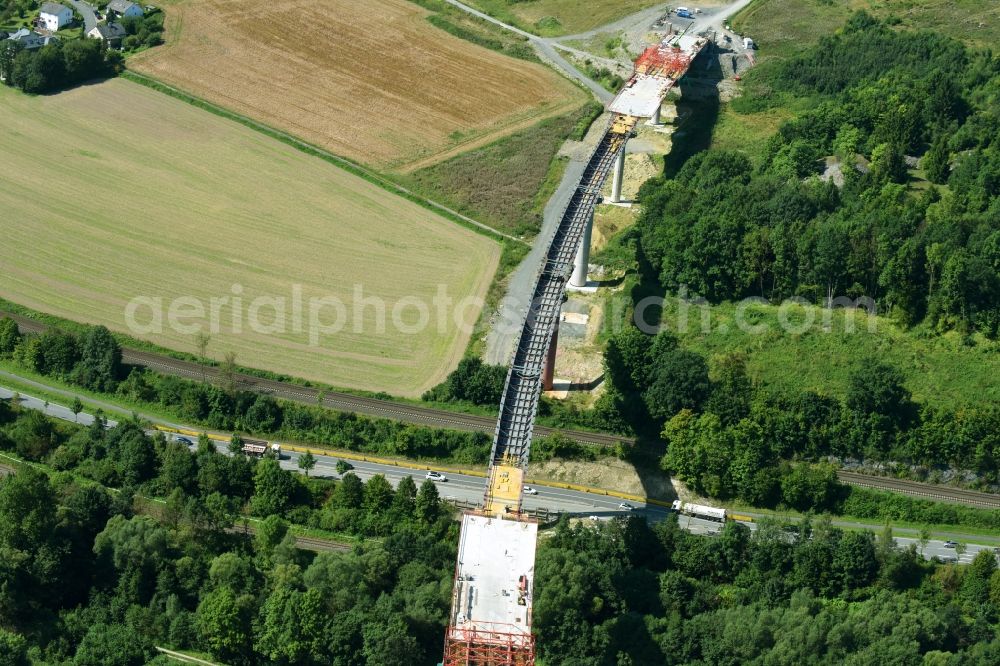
x=372, y=81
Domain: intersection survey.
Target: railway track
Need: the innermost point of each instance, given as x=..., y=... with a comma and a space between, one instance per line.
x=924, y=490
x=346, y=402
x=321, y=545
x=301, y=542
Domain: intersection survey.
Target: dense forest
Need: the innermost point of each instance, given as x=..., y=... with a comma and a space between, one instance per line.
x=87, y=580
x=627, y=593
x=729, y=438
x=96, y=574
x=884, y=187
x=836, y=207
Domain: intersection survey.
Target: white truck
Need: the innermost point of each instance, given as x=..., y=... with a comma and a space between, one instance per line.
x=258, y=448
x=699, y=511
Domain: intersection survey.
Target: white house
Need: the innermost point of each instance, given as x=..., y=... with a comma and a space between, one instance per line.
x=124, y=9
x=112, y=33
x=54, y=16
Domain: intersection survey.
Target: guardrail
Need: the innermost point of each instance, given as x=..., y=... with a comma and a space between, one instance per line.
x=407, y=464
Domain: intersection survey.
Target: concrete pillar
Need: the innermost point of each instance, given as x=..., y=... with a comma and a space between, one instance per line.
x=549, y=373
x=582, y=264
x=655, y=120
x=619, y=176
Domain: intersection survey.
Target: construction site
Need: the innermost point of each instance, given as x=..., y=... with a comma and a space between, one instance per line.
x=490, y=621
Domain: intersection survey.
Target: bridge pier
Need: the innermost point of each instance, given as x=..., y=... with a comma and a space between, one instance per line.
x=619, y=176
x=655, y=119
x=582, y=263
x=549, y=373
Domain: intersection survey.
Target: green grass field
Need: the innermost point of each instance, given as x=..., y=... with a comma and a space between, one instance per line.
x=748, y=133
x=783, y=27
x=552, y=18
x=116, y=191
x=939, y=369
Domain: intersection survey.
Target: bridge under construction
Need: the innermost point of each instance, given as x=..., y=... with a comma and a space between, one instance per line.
x=490, y=621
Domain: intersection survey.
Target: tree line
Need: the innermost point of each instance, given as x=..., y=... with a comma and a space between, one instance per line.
x=92, y=359
x=730, y=438
x=57, y=65
x=630, y=593
x=879, y=98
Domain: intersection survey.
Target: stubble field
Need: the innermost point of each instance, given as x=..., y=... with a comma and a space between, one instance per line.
x=113, y=191
x=373, y=81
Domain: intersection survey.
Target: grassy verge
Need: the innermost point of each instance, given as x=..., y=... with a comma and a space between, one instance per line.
x=117, y=407
x=803, y=22
x=554, y=18
x=511, y=255
x=808, y=348
x=473, y=29
x=504, y=183
x=604, y=76
x=110, y=405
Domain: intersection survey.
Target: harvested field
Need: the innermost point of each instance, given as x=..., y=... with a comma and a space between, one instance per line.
x=119, y=191
x=372, y=81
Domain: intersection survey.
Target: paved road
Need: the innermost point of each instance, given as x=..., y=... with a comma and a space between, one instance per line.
x=935, y=547
x=87, y=12
x=470, y=489
x=185, y=658
x=504, y=332
x=460, y=487
x=545, y=50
